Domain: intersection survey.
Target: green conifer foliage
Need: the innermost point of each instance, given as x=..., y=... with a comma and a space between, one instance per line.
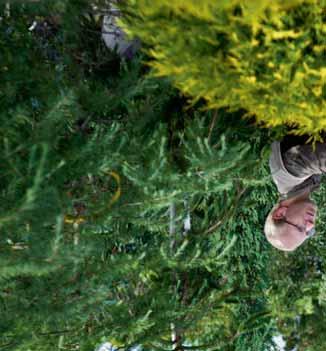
x=262, y=56
x=102, y=168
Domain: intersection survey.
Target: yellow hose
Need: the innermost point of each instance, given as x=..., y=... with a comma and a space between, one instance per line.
x=69, y=219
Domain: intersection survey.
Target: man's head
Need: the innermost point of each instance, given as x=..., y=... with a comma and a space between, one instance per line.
x=289, y=221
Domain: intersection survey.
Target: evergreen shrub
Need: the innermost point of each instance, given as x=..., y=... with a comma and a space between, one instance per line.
x=71, y=114
x=262, y=56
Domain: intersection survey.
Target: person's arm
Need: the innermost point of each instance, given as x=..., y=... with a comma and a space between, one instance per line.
x=301, y=160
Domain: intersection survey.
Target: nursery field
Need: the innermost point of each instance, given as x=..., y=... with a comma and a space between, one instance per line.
x=134, y=190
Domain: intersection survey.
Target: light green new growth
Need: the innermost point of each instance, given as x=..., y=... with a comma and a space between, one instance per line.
x=265, y=57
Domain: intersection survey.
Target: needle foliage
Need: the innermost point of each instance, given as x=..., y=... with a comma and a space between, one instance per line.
x=262, y=56
x=127, y=216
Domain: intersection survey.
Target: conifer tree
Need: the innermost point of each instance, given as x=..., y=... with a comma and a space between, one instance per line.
x=261, y=56
x=125, y=218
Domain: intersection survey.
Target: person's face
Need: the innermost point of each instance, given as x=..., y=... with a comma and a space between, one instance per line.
x=301, y=213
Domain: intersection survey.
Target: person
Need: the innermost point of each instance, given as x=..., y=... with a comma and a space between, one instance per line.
x=114, y=37
x=296, y=170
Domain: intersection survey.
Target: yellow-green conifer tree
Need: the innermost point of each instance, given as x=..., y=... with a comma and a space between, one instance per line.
x=261, y=56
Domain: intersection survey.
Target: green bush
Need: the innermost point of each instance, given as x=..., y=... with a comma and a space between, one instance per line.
x=262, y=56
x=71, y=113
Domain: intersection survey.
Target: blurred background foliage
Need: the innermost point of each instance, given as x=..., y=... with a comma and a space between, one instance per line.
x=101, y=166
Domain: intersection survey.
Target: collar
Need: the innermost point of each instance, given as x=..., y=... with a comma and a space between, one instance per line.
x=312, y=183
